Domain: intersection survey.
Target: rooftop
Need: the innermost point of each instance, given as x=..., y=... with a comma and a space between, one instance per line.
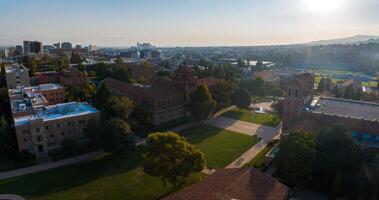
x=348, y=108
x=15, y=68
x=58, y=111
x=238, y=183
x=50, y=86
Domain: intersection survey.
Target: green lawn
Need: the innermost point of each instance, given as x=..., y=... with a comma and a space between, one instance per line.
x=221, y=147
x=334, y=80
x=268, y=119
x=259, y=160
x=112, y=177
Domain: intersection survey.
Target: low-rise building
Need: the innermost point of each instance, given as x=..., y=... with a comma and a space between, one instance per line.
x=17, y=75
x=45, y=129
x=166, y=99
x=53, y=93
x=66, y=78
x=303, y=111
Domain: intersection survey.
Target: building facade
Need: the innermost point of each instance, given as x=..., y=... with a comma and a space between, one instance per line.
x=45, y=129
x=17, y=75
x=304, y=111
x=32, y=47
x=164, y=99
x=66, y=78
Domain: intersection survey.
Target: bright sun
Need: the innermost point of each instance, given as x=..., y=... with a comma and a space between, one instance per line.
x=323, y=6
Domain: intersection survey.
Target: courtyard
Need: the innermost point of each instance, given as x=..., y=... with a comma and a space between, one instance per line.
x=219, y=146
x=268, y=119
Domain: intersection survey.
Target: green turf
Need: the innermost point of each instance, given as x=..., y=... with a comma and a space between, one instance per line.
x=220, y=147
x=268, y=119
x=112, y=177
x=259, y=160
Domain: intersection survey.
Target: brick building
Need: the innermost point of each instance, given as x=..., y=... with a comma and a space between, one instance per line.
x=165, y=99
x=46, y=94
x=66, y=78
x=303, y=111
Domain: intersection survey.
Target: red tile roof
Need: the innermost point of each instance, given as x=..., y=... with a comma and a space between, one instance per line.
x=239, y=183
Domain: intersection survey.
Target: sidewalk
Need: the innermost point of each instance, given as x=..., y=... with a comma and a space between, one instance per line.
x=51, y=165
x=254, y=151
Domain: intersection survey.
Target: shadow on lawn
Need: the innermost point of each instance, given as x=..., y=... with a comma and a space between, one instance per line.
x=71, y=176
x=198, y=133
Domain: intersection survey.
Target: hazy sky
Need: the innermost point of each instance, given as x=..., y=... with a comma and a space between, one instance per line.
x=185, y=22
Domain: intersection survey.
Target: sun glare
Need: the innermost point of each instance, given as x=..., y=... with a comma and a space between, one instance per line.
x=324, y=6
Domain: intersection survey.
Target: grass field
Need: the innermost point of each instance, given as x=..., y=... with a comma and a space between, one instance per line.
x=334, y=80
x=111, y=177
x=268, y=119
x=220, y=147
x=259, y=160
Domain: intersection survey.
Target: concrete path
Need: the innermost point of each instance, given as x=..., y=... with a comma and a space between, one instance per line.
x=267, y=134
x=51, y=165
x=243, y=127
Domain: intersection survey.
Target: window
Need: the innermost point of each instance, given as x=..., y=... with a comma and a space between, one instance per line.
x=62, y=134
x=289, y=92
x=46, y=127
x=52, y=135
x=68, y=123
x=39, y=138
x=37, y=129
x=295, y=93
x=58, y=125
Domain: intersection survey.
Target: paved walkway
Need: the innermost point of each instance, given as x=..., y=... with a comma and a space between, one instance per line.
x=267, y=134
x=243, y=127
x=51, y=165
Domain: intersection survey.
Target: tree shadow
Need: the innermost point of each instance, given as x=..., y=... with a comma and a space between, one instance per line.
x=71, y=176
x=198, y=133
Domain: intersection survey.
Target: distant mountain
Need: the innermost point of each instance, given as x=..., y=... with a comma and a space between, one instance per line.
x=348, y=40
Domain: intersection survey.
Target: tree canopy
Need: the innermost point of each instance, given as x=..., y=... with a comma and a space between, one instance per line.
x=170, y=157
x=116, y=135
x=295, y=159
x=241, y=98
x=201, y=104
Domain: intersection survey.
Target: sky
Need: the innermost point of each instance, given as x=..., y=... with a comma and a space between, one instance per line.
x=122, y=23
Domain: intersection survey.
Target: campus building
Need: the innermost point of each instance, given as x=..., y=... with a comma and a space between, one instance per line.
x=17, y=75
x=42, y=120
x=166, y=99
x=66, y=78
x=51, y=93
x=45, y=129
x=304, y=111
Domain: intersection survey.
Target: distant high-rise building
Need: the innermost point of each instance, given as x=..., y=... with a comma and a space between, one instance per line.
x=78, y=46
x=19, y=48
x=32, y=47
x=66, y=45
x=57, y=45
x=92, y=47
x=144, y=46
x=47, y=48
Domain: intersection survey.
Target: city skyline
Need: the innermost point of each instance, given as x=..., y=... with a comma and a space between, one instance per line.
x=185, y=23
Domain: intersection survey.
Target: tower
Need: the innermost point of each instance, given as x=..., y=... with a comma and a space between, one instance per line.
x=297, y=95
